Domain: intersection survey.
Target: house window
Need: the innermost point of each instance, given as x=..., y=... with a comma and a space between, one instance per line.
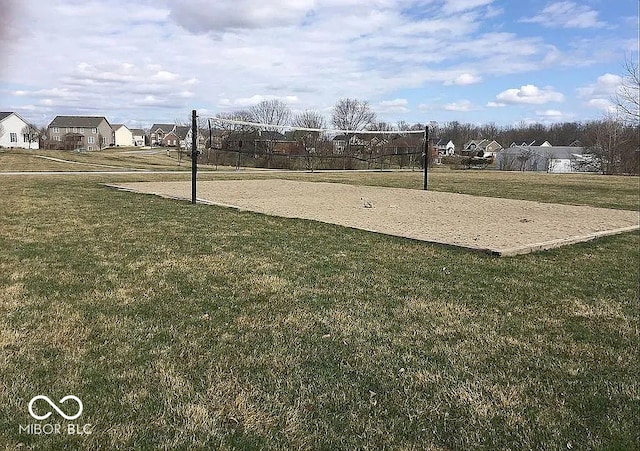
x=91, y=140
x=26, y=138
x=56, y=129
x=14, y=137
x=75, y=130
x=68, y=130
x=94, y=130
x=90, y=148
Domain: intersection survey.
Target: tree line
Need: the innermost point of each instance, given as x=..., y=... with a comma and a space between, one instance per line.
x=612, y=140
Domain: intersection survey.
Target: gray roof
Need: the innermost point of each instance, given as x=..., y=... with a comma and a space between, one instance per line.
x=182, y=131
x=166, y=128
x=137, y=131
x=78, y=121
x=4, y=115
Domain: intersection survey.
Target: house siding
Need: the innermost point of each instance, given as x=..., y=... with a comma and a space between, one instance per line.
x=123, y=136
x=13, y=125
x=77, y=133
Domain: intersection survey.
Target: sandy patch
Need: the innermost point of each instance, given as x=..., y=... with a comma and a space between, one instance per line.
x=499, y=226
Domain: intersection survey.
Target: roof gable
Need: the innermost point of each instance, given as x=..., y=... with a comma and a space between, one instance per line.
x=165, y=128
x=6, y=114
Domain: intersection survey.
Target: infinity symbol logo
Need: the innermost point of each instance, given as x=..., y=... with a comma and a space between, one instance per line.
x=55, y=407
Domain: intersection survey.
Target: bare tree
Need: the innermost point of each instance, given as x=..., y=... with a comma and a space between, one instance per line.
x=272, y=112
x=605, y=136
x=627, y=99
x=310, y=140
x=31, y=133
x=351, y=114
x=524, y=156
x=375, y=144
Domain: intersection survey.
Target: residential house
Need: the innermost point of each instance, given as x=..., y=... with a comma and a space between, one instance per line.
x=355, y=143
x=444, y=146
x=123, y=137
x=79, y=133
x=138, y=136
x=481, y=148
x=171, y=135
x=273, y=142
x=556, y=159
x=162, y=135
x=183, y=133
x=16, y=132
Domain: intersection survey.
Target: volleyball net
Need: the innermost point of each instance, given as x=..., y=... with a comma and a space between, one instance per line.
x=243, y=143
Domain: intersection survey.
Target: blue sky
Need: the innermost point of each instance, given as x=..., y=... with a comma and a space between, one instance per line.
x=140, y=61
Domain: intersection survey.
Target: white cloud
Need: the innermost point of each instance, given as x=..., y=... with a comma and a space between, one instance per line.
x=567, y=14
x=256, y=99
x=163, y=75
x=461, y=106
x=598, y=95
x=397, y=106
x=602, y=104
x=203, y=16
x=528, y=94
x=464, y=79
x=496, y=104
x=454, y=6
x=605, y=85
x=550, y=114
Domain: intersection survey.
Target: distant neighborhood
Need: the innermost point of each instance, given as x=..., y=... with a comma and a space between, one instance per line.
x=92, y=133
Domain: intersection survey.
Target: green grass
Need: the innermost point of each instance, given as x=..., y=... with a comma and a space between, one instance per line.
x=197, y=327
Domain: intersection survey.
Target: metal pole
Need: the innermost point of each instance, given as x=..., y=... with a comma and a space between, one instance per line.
x=194, y=154
x=210, y=141
x=426, y=157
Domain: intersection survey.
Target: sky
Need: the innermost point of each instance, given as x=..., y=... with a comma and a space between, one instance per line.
x=140, y=62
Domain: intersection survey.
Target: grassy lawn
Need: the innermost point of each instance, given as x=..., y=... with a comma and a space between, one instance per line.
x=197, y=327
x=108, y=159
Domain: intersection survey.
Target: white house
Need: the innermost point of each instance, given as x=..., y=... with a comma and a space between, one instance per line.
x=14, y=133
x=123, y=136
x=445, y=146
x=138, y=136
